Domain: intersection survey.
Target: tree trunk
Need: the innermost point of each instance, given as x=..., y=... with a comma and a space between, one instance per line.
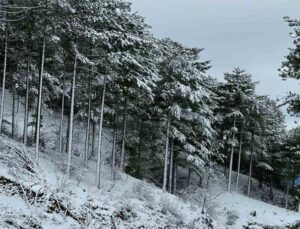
x=100, y=137
x=287, y=187
x=40, y=103
x=171, y=166
x=3, y=82
x=271, y=186
x=189, y=177
x=71, y=119
x=205, y=195
x=250, y=175
x=61, y=134
x=226, y=162
x=68, y=133
x=87, y=137
x=166, y=156
x=294, y=175
x=93, y=139
x=114, y=147
x=175, y=178
x=18, y=102
x=250, y=167
x=13, y=113
x=140, y=165
x=231, y=160
x=239, y=160
x=260, y=178
x=25, y=130
x=124, y=135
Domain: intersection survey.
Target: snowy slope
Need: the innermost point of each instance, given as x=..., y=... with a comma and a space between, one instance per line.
x=124, y=203
x=244, y=211
x=237, y=211
x=76, y=202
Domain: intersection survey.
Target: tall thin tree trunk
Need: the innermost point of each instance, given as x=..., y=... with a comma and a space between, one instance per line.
x=93, y=139
x=250, y=174
x=61, y=130
x=114, y=147
x=68, y=134
x=271, y=177
x=271, y=186
x=13, y=112
x=18, y=102
x=205, y=195
x=140, y=165
x=175, y=178
x=231, y=159
x=287, y=187
x=87, y=137
x=171, y=166
x=100, y=137
x=3, y=82
x=124, y=135
x=294, y=175
x=226, y=162
x=189, y=177
x=89, y=145
x=25, y=130
x=166, y=156
x=113, y=162
x=250, y=167
x=71, y=119
x=240, y=157
x=40, y=103
x=260, y=185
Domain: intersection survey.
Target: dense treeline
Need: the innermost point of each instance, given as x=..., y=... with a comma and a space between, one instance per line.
x=97, y=62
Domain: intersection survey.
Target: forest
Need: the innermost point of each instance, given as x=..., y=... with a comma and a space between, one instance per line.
x=97, y=65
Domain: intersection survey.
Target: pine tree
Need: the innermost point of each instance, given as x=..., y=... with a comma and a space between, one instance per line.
x=290, y=67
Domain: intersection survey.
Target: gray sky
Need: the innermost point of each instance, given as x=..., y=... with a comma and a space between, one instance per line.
x=250, y=34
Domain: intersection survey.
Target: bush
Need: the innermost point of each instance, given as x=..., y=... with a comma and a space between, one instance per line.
x=232, y=216
x=167, y=206
x=143, y=192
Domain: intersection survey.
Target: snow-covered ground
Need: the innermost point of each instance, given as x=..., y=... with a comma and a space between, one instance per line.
x=239, y=210
x=235, y=210
x=123, y=203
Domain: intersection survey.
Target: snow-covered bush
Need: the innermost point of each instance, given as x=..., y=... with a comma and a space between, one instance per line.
x=232, y=216
x=169, y=207
x=143, y=192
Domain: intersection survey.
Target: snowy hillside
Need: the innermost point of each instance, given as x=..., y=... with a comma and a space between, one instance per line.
x=235, y=210
x=239, y=211
x=44, y=198
x=42, y=195
x=104, y=125
x=124, y=203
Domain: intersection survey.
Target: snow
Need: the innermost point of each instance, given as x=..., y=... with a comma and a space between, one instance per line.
x=265, y=166
x=266, y=214
x=142, y=203
x=235, y=210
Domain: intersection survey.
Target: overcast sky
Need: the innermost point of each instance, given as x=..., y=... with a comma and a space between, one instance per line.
x=250, y=34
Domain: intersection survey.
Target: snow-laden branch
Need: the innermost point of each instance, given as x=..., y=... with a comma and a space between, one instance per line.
x=12, y=20
x=21, y=9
